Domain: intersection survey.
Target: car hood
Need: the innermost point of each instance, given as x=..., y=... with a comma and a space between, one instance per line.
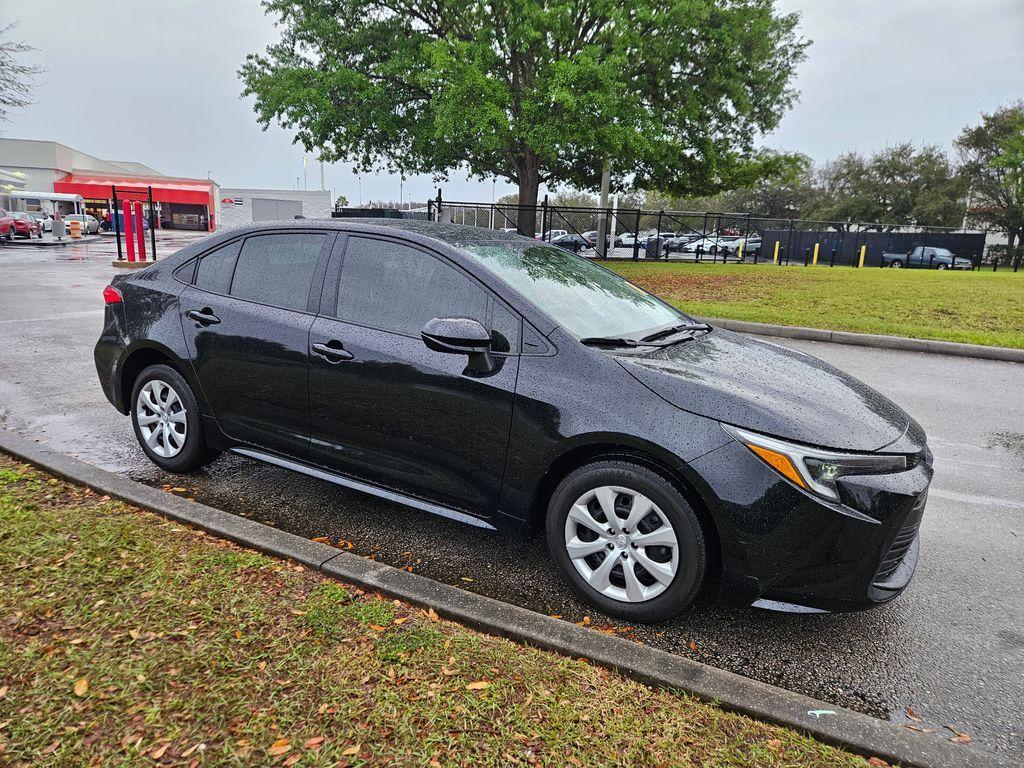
x=770, y=389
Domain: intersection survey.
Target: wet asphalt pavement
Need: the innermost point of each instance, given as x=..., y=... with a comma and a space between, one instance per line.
x=951, y=647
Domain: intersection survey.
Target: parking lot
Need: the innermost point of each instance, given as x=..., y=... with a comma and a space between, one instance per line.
x=951, y=647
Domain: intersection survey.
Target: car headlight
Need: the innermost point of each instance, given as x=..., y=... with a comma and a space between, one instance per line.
x=814, y=469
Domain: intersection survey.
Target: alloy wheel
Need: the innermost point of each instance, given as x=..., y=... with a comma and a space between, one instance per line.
x=622, y=544
x=160, y=413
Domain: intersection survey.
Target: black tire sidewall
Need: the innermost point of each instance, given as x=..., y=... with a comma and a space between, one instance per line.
x=692, y=549
x=195, y=452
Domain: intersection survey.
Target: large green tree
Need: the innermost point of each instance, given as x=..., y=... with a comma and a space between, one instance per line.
x=992, y=161
x=673, y=92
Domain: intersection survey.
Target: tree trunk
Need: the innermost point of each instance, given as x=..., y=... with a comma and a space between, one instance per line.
x=529, y=188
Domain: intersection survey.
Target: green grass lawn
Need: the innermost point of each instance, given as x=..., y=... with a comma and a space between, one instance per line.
x=128, y=640
x=975, y=307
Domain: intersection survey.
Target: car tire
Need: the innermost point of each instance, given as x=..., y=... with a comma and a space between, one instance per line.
x=175, y=440
x=941, y=266
x=681, y=566
x=10, y=234
x=896, y=265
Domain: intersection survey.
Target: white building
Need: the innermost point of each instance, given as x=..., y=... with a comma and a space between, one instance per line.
x=240, y=206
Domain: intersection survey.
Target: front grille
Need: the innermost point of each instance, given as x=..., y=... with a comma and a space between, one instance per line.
x=900, y=545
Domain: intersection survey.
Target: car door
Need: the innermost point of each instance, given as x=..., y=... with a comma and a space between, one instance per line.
x=246, y=321
x=388, y=410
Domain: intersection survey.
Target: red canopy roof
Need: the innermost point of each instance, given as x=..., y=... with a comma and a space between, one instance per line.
x=165, y=189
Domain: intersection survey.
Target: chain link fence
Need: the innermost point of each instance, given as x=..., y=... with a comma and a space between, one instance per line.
x=716, y=237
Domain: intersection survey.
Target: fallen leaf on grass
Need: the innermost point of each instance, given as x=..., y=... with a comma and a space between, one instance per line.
x=432, y=615
x=377, y=628
x=314, y=743
x=774, y=743
x=479, y=685
x=157, y=753
x=81, y=687
x=200, y=747
x=293, y=759
x=351, y=751
x=3, y=692
x=400, y=621
x=878, y=762
x=279, y=747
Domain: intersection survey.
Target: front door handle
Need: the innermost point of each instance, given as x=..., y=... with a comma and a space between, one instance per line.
x=203, y=316
x=332, y=351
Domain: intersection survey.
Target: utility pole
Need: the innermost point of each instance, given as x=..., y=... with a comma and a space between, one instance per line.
x=323, y=186
x=602, y=221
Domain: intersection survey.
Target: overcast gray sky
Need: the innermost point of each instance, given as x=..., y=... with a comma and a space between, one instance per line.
x=156, y=83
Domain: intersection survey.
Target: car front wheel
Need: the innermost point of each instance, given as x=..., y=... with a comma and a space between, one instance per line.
x=166, y=419
x=626, y=541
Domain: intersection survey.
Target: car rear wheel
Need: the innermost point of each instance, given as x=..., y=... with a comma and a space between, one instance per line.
x=167, y=423
x=626, y=541
x=896, y=265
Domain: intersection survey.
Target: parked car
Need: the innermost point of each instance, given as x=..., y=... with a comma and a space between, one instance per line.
x=90, y=225
x=26, y=226
x=510, y=384
x=676, y=243
x=551, y=234
x=707, y=244
x=924, y=257
x=572, y=242
x=6, y=225
x=44, y=219
x=628, y=239
x=591, y=238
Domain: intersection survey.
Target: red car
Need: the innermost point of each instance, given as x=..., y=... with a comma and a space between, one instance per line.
x=12, y=224
x=26, y=226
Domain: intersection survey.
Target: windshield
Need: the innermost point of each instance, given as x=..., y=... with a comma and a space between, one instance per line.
x=584, y=298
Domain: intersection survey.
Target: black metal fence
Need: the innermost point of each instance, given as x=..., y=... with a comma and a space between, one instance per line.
x=711, y=236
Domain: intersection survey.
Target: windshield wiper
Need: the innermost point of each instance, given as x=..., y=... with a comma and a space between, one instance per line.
x=672, y=329
x=608, y=341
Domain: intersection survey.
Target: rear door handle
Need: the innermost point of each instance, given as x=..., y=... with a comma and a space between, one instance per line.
x=332, y=351
x=203, y=316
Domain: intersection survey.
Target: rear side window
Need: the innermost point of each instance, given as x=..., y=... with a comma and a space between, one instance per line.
x=215, y=268
x=277, y=269
x=398, y=288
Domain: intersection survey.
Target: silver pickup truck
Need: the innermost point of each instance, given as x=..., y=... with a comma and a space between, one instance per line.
x=924, y=257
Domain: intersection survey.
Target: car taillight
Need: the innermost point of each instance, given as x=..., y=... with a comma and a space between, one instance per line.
x=111, y=295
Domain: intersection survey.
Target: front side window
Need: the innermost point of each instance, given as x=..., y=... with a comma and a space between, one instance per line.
x=585, y=299
x=394, y=287
x=277, y=269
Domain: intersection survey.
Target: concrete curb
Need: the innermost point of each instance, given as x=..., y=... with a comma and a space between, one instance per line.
x=1005, y=354
x=845, y=728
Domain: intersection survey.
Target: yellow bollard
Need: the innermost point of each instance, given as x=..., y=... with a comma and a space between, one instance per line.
x=776, y=258
x=814, y=263
x=863, y=253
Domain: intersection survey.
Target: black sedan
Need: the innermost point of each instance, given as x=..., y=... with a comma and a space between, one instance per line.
x=572, y=242
x=507, y=383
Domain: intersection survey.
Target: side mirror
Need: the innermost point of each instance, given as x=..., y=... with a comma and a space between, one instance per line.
x=460, y=336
